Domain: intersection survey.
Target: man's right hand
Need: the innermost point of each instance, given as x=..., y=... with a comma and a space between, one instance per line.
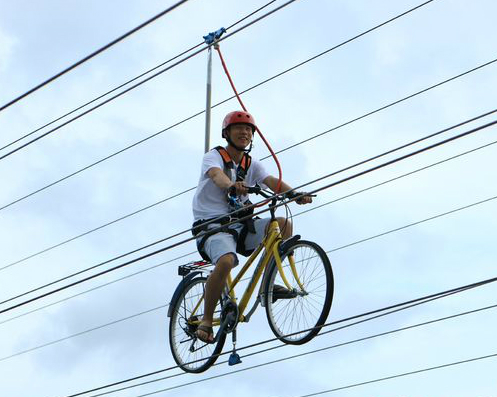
x=239, y=188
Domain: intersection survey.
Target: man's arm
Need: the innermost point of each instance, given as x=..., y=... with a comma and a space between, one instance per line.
x=272, y=183
x=223, y=182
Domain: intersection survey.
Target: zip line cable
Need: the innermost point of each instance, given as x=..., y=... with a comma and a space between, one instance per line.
x=332, y=174
x=219, y=103
x=384, y=107
x=413, y=224
x=350, y=342
x=94, y=229
x=133, y=316
x=328, y=251
x=380, y=166
x=93, y=54
x=347, y=343
x=193, y=54
x=400, y=177
x=418, y=371
x=300, y=213
x=376, y=313
x=83, y=332
x=97, y=287
x=191, y=189
x=130, y=81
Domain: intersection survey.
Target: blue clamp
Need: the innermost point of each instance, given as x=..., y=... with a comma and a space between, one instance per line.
x=213, y=36
x=234, y=359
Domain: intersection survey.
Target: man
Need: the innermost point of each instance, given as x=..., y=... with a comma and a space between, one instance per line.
x=224, y=169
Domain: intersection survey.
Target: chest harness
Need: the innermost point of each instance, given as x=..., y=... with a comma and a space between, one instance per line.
x=248, y=224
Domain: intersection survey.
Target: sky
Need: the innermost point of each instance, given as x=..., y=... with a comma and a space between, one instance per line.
x=432, y=44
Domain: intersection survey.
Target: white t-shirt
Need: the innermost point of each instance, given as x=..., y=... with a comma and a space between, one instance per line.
x=209, y=200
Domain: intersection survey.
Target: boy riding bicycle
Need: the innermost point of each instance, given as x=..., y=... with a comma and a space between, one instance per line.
x=225, y=169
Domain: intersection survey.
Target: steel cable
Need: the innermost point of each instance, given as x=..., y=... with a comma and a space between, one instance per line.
x=303, y=212
x=228, y=99
x=191, y=189
x=130, y=81
x=142, y=82
x=93, y=54
x=361, y=173
x=376, y=313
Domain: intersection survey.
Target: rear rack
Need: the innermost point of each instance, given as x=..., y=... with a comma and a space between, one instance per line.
x=184, y=270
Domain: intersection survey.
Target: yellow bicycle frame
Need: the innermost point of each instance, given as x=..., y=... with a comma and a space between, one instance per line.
x=271, y=244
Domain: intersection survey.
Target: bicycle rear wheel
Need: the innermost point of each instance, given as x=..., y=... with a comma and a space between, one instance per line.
x=306, y=310
x=190, y=353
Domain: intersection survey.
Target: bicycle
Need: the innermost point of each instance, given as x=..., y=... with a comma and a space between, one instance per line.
x=296, y=306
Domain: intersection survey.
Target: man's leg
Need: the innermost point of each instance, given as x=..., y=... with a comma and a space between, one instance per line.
x=213, y=288
x=285, y=227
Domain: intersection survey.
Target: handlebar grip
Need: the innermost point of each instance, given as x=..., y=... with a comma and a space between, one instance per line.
x=254, y=189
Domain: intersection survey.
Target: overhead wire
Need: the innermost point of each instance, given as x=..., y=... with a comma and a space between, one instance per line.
x=266, y=363
x=364, y=317
x=218, y=104
x=335, y=173
x=161, y=264
x=346, y=343
x=191, y=189
x=303, y=212
x=97, y=287
x=431, y=165
x=343, y=180
x=418, y=371
x=193, y=54
x=93, y=54
x=131, y=80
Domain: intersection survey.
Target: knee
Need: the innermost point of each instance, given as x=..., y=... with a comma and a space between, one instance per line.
x=285, y=226
x=226, y=263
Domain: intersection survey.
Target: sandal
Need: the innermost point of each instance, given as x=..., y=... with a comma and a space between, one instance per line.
x=209, y=331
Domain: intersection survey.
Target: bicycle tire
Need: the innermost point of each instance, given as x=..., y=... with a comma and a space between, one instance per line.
x=180, y=333
x=289, y=315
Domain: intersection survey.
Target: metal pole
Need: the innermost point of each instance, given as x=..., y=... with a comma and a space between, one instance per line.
x=208, y=100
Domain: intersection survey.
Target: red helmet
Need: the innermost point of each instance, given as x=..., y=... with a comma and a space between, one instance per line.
x=238, y=117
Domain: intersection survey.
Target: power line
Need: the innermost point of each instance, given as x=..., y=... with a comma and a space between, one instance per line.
x=202, y=111
x=303, y=212
x=414, y=223
x=94, y=229
x=143, y=81
x=399, y=177
x=364, y=172
x=97, y=287
x=84, y=332
x=130, y=81
x=374, y=313
x=328, y=251
x=190, y=189
x=93, y=54
x=350, y=342
x=402, y=375
x=293, y=356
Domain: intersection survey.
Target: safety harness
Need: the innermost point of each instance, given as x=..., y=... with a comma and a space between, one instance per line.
x=248, y=224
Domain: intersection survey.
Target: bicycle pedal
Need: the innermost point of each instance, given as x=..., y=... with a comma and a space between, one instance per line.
x=234, y=359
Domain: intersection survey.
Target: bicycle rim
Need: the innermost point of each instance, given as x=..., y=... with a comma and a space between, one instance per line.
x=191, y=354
x=308, y=310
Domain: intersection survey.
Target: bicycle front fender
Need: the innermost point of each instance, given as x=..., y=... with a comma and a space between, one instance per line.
x=179, y=289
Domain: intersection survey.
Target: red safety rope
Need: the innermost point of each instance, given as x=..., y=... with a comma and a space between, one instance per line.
x=278, y=186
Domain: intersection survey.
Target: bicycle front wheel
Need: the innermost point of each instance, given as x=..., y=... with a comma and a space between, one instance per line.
x=296, y=316
x=190, y=353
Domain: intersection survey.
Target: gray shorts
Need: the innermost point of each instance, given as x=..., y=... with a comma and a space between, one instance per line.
x=223, y=243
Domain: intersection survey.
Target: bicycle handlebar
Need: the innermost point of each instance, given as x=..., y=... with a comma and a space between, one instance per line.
x=279, y=197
